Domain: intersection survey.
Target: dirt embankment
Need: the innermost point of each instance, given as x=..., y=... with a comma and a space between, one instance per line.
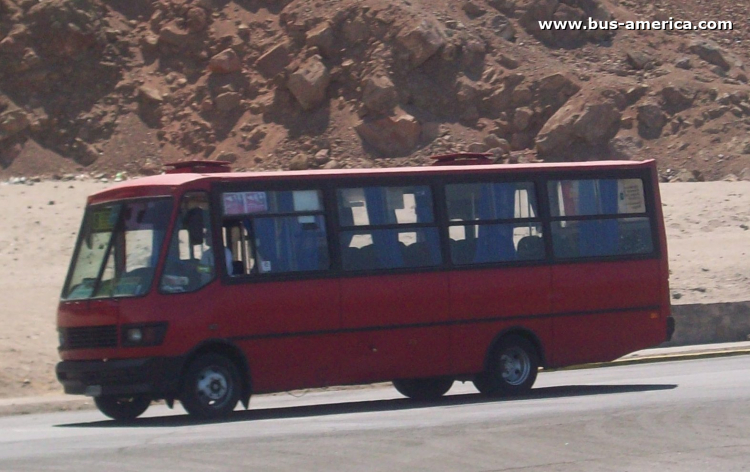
x=107, y=87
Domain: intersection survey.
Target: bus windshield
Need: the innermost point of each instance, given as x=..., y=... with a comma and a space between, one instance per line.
x=118, y=249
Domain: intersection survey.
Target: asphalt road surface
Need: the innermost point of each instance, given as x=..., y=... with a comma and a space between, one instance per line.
x=668, y=416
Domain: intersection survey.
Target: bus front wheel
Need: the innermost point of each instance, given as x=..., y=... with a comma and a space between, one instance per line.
x=211, y=387
x=511, y=368
x=122, y=408
x=423, y=389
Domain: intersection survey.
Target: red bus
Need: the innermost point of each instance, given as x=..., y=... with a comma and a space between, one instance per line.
x=206, y=286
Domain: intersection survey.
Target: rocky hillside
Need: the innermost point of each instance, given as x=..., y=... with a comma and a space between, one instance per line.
x=126, y=85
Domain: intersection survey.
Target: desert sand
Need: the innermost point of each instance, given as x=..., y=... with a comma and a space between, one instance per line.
x=707, y=226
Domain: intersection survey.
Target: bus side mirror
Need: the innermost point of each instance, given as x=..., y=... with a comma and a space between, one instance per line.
x=194, y=224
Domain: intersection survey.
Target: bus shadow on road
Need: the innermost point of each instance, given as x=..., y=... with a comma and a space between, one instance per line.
x=374, y=406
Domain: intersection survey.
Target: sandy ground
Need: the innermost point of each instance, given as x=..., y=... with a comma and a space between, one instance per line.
x=707, y=226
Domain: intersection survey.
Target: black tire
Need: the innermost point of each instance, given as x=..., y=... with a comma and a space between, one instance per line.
x=211, y=387
x=123, y=408
x=423, y=389
x=511, y=368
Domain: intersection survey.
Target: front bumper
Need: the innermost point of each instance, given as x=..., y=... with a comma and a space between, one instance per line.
x=156, y=376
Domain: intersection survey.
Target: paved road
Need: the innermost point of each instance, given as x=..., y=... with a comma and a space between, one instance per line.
x=669, y=416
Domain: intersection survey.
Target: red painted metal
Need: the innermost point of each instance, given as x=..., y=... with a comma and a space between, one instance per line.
x=327, y=331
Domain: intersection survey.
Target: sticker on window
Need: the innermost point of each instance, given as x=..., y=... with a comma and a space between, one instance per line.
x=631, y=196
x=104, y=219
x=243, y=203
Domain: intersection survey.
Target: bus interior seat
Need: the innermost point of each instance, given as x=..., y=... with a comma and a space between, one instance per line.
x=238, y=268
x=530, y=248
x=416, y=255
x=462, y=251
x=564, y=246
x=362, y=258
x=494, y=248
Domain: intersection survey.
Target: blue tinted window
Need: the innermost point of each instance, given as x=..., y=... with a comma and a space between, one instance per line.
x=411, y=244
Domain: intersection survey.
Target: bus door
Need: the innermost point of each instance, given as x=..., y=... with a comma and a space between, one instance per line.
x=277, y=305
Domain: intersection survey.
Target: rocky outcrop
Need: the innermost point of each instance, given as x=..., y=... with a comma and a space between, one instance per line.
x=379, y=94
x=422, y=42
x=578, y=125
x=712, y=53
x=274, y=60
x=12, y=123
x=651, y=120
x=391, y=136
x=225, y=62
x=310, y=83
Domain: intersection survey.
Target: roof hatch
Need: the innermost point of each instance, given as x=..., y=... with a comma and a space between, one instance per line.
x=462, y=159
x=198, y=167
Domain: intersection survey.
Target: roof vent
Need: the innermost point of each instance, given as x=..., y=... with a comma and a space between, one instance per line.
x=462, y=159
x=198, y=167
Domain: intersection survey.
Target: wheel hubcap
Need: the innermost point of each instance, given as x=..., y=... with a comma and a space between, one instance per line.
x=213, y=386
x=516, y=366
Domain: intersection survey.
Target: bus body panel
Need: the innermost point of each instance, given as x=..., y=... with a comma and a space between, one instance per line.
x=596, y=302
x=287, y=330
x=486, y=302
x=395, y=326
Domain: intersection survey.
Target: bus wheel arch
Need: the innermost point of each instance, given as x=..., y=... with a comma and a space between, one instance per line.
x=232, y=353
x=511, y=364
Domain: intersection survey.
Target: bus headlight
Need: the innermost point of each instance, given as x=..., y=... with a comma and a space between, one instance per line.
x=143, y=335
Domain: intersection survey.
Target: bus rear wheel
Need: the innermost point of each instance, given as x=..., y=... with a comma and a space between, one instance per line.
x=122, y=408
x=423, y=389
x=511, y=368
x=211, y=387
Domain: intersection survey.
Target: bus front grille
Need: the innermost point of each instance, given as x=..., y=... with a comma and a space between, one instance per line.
x=88, y=337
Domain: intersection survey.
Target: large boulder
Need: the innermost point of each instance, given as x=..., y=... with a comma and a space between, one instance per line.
x=67, y=29
x=228, y=101
x=196, y=20
x=391, y=136
x=322, y=38
x=273, y=61
x=173, y=35
x=590, y=125
x=12, y=122
x=422, y=42
x=712, y=53
x=536, y=11
x=310, y=83
x=379, y=94
x=225, y=62
x=677, y=98
x=651, y=120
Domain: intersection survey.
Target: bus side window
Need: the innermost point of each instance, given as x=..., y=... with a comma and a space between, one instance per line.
x=385, y=228
x=493, y=222
x=610, y=218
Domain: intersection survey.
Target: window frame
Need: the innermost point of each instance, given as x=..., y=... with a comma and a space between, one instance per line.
x=153, y=286
x=328, y=186
x=216, y=192
x=649, y=213
x=399, y=227
x=537, y=220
